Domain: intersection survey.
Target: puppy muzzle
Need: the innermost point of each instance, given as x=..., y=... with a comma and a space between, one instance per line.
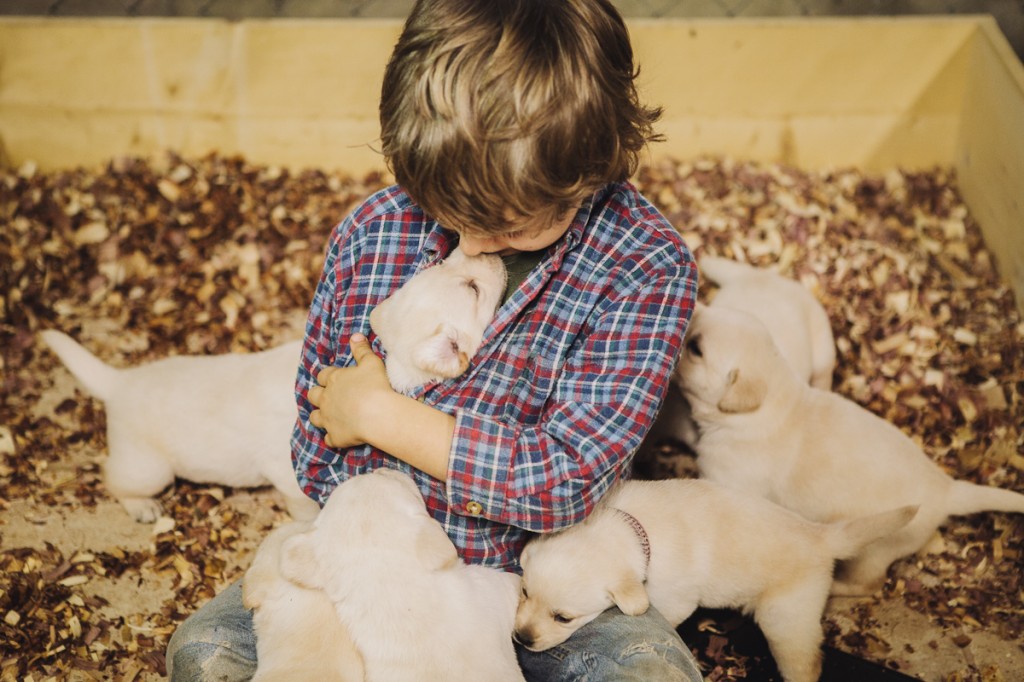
x=525, y=638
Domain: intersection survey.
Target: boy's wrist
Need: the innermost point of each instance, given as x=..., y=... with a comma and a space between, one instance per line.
x=409, y=430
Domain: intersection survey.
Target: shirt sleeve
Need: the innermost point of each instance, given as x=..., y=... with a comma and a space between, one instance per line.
x=310, y=455
x=606, y=395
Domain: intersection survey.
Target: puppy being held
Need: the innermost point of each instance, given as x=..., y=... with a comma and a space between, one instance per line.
x=227, y=419
x=682, y=543
x=416, y=612
x=766, y=432
x=434, y=324
x=298, y=634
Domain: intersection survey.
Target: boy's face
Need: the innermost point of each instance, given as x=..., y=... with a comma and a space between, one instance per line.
x=528, y=234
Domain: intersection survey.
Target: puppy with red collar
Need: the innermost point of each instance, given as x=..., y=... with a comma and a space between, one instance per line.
x=681, y=543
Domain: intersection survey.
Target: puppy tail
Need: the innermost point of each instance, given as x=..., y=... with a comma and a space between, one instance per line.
x=723, y=270
x=969, y=498
x=847, y=538
x=98, y=377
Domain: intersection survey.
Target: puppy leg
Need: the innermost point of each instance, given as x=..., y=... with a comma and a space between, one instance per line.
x=865, y=574
x=134, y=480
x=791, y=622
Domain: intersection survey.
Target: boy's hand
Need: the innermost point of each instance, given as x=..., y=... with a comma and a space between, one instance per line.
x=345, y=394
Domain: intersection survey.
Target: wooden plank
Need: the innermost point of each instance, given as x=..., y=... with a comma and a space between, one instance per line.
x=990, y=150
x=813, y=92
x=295, y=92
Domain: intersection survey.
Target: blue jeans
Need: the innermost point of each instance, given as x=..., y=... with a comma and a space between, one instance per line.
x=217, y=643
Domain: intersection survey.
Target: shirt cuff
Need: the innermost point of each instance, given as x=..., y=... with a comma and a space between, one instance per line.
x=479, y=465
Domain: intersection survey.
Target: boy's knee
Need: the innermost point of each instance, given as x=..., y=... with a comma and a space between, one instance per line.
x=658, y=660
x=215, y=643
x=193, y=660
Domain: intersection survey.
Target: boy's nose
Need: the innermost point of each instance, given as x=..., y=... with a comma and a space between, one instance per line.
x=474, y=246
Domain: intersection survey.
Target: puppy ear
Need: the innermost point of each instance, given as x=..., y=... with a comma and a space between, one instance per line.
x=441, y=355
x=742, y=394
x=298, y=562
x=434, y=549
x=630, y=595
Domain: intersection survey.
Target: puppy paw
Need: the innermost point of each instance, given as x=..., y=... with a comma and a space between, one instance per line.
x=142, y=509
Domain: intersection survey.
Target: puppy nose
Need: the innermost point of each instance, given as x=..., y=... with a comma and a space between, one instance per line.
x=522, y=638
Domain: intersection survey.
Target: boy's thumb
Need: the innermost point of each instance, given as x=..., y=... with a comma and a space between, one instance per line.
x=360, y=347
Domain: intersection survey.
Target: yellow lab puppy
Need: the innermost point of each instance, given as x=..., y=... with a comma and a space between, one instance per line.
x=416, y=612
x=298, y=634
x=766, y=432
x=681, y=543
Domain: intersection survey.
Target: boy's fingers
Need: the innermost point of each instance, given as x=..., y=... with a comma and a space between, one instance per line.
x=314, y=397
x=325, y=375
x=314, y=419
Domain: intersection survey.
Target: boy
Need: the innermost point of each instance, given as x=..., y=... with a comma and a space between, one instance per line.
x=511, y=127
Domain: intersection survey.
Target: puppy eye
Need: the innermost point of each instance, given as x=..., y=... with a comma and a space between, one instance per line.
x=562, y=618
x=693, y=346
x=474, y=287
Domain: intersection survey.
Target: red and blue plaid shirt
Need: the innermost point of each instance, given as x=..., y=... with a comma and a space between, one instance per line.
x=567, y=382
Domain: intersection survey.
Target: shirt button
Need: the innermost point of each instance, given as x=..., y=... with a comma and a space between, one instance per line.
x=474, y=508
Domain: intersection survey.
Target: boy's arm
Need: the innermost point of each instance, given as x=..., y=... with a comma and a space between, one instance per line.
x=357, y=405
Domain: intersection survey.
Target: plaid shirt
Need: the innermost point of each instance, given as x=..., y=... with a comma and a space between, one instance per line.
x=567, y=382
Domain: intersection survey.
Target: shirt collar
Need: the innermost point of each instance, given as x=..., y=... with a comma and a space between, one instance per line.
x=574, y=235
x=437, y=245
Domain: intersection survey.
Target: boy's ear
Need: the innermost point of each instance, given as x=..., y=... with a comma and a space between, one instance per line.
x=298, y=562
x=630, y=595
x=440, y=354
x=742, y=393
x=434, y=549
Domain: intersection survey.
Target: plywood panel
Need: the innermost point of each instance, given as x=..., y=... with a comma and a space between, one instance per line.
x=302, y=92
x=810, y=92
x=990, y=151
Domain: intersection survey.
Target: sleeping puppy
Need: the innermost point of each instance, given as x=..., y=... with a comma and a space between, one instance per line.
x=795, y=319
x=682, y=543
x=228, y=419
x=298, y=634
x=434, y=324
x=766, y=432
x=415, y=611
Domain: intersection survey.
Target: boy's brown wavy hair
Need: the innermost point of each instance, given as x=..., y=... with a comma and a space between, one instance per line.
x=498, y=110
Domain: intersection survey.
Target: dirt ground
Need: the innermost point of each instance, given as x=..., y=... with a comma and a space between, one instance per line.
x=143, y=259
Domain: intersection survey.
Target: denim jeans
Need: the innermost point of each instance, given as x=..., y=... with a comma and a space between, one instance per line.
x=217, y=643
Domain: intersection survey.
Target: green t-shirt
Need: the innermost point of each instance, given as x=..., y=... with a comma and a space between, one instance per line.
x=518, y=267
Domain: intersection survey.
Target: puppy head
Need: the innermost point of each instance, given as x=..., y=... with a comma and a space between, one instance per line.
x=435, y=322
x=728, y=362
x=367, y=517
x=569, y=579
